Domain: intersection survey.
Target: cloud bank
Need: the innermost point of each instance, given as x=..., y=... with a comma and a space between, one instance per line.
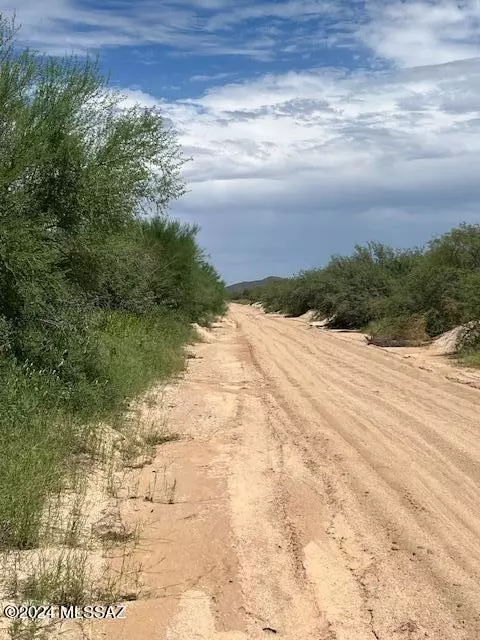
x=319, y=159
x=289, y=167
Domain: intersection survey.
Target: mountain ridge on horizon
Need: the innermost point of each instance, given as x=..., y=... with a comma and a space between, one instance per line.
x=237, y=287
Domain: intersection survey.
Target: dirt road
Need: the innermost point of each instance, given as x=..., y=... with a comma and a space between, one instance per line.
x=325, y=490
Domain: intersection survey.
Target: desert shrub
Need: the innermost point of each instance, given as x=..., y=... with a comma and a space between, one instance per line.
x=445, y=286
x=399, y=328
x=404, y=294
x=98, y=286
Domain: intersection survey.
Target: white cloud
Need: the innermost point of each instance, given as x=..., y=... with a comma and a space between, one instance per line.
x=57, y=26
x=200, y=26
x=325, y=121
x=132, y=97
x=210, y=78
x=405, y=32
x=297, y=10
x=423, y=32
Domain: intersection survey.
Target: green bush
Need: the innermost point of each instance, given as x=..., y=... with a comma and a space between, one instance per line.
x=399, y=328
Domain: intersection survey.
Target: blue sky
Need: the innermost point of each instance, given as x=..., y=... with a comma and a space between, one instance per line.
x=312, y=124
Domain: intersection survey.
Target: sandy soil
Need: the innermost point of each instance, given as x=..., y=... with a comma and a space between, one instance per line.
x=322, y=490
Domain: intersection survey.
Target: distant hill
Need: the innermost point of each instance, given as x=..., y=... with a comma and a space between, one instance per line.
x=254, y=284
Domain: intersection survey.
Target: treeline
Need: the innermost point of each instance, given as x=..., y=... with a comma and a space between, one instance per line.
x=98, y=287
x=400, y=294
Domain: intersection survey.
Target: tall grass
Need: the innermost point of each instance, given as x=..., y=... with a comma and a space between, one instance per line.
x=44, y=424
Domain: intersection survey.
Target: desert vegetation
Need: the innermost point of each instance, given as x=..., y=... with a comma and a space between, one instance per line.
x=408, y=294
x=98, y=285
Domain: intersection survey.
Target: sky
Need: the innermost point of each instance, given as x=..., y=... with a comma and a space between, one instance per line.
x=311, y=125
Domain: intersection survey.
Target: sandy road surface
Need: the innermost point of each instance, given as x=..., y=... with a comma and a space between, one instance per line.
x=325, y=490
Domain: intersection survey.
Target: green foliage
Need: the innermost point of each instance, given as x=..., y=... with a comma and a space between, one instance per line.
x=469, y=347
x=446, y=284
x=98, y=287
x=138, y=349
x=412, y=328
x=407, y=294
